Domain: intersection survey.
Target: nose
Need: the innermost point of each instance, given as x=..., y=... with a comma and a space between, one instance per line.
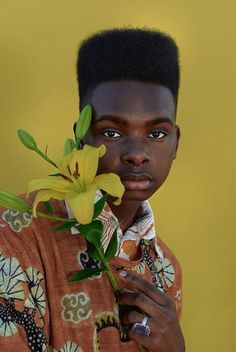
x=135, y=155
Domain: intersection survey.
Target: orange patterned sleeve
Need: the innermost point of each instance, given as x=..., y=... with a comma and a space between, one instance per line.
x=172, y=274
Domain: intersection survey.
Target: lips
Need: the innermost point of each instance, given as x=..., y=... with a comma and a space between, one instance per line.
x=136, y=182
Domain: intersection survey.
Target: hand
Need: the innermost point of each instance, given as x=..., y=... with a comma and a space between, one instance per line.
x=166, y=334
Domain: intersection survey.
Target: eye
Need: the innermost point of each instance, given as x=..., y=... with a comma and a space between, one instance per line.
x=157, y=134
x=111, y=134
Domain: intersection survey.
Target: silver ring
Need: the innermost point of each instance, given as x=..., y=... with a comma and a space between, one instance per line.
x=142, y=328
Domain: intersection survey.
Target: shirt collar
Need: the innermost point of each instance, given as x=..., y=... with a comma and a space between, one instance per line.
x=142, y=228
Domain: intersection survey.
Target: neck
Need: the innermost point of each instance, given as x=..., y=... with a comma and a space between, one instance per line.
x=125, y=212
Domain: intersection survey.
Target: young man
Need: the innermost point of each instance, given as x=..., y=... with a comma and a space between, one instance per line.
x=131, y=79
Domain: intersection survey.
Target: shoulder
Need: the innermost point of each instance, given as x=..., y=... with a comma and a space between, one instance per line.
x=21, y=234
x=16, y=231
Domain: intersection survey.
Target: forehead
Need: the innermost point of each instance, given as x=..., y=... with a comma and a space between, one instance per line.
x=132, y=98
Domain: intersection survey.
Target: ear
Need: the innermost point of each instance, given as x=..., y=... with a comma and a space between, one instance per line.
x=178, y=134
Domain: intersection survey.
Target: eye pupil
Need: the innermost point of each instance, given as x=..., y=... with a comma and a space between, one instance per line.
x=111, y=134
x=158, y=134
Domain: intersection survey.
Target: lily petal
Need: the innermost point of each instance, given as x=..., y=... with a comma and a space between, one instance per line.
x=82, y=205
x=64, y=161
x=111, y=184
x=52, y=183
x=45, y=195
x=88, y=163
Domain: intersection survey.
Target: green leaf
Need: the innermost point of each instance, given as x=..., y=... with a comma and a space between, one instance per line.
x=12, y=202
x=69, y=146
x=92, y=232
x=112, y=247
x=46, y=150
x=66, y=226
x=91, y=250
x=84, y=274
x=99, y=205
x=48, y=207
x=27, y=140
x=83, y=123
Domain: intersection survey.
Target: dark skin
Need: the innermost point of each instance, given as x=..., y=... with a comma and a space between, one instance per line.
x=136, y=123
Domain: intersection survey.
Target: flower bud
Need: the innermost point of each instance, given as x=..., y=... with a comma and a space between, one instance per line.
x=10, y=201
x=83, y=123
x=69, y=146
x=27, y=140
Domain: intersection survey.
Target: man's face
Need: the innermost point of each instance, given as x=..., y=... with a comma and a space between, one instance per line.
x=136, y=123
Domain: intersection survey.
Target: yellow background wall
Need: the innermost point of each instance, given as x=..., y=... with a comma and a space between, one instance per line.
x=195, y=209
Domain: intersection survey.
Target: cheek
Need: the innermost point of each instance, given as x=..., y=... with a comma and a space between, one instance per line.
x=107, y=164
x=88, y=139
x=170, y=151
x=166, y=161
x=163, y=163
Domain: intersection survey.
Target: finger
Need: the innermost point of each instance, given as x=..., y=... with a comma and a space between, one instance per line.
x=131, y=317
x=143, y=302
x=144, y=286
x=135, y=317
x=149, y=342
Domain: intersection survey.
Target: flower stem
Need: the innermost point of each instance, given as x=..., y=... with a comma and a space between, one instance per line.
x=44, y=156
x=53, y=217
x=108, y=271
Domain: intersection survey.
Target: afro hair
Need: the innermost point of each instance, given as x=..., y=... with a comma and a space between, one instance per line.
x=128, y=54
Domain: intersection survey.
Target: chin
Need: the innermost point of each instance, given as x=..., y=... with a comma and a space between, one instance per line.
x=138, y=196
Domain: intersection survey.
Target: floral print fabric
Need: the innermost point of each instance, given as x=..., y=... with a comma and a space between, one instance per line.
x=41, y=311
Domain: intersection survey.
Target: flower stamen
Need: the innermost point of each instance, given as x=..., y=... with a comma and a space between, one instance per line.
x=68, y=168
x=66, y=178
x=76, y=174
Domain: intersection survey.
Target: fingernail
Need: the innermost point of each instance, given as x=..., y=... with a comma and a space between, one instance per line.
x=123, y=273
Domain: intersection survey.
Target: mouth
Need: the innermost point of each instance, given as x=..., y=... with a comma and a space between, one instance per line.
x=136, y=182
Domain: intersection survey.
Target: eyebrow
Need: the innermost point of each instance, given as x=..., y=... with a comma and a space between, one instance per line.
x=158, y=121
x=122, y=121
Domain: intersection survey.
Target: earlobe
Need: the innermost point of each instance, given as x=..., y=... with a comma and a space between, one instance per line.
x=178, y=134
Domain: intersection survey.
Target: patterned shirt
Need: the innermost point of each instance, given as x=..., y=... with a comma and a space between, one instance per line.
x=128, y=243
x=41, y=311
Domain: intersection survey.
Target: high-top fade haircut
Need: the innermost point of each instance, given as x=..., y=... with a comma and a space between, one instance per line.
x=127, y=54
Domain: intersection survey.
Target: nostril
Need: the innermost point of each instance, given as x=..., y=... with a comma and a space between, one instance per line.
x=135, y=159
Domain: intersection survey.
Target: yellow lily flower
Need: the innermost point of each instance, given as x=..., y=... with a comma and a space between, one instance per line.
x=77, y=183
